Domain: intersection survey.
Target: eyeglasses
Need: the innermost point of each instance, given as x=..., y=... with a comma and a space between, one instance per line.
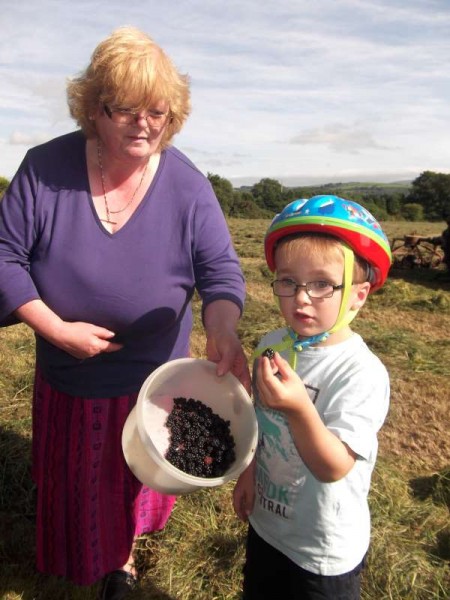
x=286, y=288
x=126, y=116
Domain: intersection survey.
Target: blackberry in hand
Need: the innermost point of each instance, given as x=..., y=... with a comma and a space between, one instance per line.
x=269, y=353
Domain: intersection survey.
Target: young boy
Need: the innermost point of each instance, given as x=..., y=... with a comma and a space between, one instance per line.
x=321, y=396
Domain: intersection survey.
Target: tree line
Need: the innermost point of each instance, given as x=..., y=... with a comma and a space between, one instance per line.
x=427, y=198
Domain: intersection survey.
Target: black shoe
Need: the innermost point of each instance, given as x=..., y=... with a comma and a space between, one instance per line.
x=117, y=585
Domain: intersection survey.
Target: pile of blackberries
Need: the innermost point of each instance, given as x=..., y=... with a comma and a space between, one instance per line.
x=201, y=443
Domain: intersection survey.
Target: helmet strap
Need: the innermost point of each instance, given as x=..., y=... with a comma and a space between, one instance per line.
x=345, y=316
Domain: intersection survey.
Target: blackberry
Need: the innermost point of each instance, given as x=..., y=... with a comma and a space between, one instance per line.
x=269, y=353
x=201, y=443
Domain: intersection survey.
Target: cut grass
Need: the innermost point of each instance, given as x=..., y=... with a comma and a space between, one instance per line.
x=200, y=553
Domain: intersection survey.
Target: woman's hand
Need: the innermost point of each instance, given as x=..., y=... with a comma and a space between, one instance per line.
x=224, y=348
x=84, y=340
x=79, y=339
x=222, y=341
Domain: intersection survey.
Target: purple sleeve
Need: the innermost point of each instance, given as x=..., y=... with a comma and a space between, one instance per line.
x=217, y=271
x=17, y=237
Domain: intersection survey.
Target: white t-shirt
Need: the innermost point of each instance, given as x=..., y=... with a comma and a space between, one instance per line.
x=322, y=527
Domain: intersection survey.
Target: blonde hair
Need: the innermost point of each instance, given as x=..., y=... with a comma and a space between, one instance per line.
x=326, y=246
x=129, y=69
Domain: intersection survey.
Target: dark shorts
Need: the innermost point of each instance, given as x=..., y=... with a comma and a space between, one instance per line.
x=269, y=574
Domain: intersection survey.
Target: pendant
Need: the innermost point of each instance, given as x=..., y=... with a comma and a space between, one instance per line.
x=108, y=221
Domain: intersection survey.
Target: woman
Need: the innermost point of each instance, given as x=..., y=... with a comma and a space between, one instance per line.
x=105, y=233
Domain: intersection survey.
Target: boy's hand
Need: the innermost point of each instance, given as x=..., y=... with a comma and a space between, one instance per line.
x=244, y=493
x=279, y=386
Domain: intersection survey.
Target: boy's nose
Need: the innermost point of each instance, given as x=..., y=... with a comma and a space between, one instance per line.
x=301, y=295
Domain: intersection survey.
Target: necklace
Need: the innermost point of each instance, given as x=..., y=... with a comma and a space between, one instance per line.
x=108, y=211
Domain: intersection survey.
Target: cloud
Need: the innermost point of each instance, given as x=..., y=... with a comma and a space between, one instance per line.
x=276, y=86
x=18, y=138
x=340, y=138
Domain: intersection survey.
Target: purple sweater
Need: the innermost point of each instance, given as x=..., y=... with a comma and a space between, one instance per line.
x=137, y=282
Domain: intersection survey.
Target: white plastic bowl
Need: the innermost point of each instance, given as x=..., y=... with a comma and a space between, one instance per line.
x=145, y=437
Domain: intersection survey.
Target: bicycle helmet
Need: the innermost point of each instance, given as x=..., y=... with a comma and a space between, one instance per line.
x=344, y=219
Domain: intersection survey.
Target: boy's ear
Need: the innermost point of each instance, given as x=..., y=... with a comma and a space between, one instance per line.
x=360, y=295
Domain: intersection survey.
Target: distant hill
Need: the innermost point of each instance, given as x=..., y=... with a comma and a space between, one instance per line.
x=363, y=187
x=339, y=189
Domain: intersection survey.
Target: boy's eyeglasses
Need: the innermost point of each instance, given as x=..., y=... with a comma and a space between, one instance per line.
x=126, y=116
x=286, y=288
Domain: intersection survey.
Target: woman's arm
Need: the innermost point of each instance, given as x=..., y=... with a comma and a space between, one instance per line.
x=79, y=339
x=222, y=341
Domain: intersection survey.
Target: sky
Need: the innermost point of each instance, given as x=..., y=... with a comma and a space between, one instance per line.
x=302, y=91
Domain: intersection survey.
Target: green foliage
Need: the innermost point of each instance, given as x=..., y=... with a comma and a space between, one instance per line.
x=223, y=190
x=394, y=204
x=413, y=211
x=268, y=194
x=389, y=197
x=234, y=203
x=3, y=185
x=432, y=191
x=427, y=198
x=244, y=206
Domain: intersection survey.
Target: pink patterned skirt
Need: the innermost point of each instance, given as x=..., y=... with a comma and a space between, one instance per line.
x=90, y=506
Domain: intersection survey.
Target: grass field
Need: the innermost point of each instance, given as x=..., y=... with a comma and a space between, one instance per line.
x=200, y=553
